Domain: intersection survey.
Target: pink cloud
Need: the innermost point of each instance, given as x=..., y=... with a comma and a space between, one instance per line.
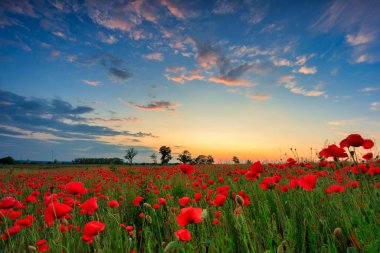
x=236, y=82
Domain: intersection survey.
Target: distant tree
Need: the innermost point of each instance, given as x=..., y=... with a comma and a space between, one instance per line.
x=166, y=154
x=201, y=159
x=131, y=153
x=235, y=160
x=154, y=158
x=7, y=160
x=185, y=157
x=249, y=162
x=209, y=159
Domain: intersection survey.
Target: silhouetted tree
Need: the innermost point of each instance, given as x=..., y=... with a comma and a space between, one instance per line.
x=209, y=159
x=131, y=153
x=185, y=157
x=201, y=159
x=154, y=158
x=249, y=162
x=235, y=160
x=165, y=154
x=7, y=160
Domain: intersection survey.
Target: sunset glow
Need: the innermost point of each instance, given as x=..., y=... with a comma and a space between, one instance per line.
x=241, y=78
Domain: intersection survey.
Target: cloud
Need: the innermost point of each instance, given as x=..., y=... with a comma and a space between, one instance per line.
x=344, y=122
x=92, y=83
x=53, y=119
x=174, y=69
x=375, y=106
x=290, y=84
x=112, y=64
x=225, y=7
x=358, y=20
x=282, y=62
x=108, y=39
x=154, y=56
x=369, y=89
x=235, y=82
x=250, y=51
x=307, y=71
x=209, y=56
x=257, y=11
x=22, y=7
x=183, y=75
x=179, y=9
x=355, y=40
x=114, y=15
x=259, y=96
x=118, y=75
x=157, y=106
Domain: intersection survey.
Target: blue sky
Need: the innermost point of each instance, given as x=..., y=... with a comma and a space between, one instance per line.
x=246, y=78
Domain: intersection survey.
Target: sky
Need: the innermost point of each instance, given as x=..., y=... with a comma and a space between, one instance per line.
x=248, y=78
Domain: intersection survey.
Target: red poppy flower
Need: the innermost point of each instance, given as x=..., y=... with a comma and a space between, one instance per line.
x=356, y=140
x=268, y=183
x=218, y=214
x=113, y=203
x=25, y=222
x=183, y=235
x=368, y=156
x=219, y=200
x=92, y=229
x=189, y=215
x=308, y=182
x=12, y=215
x=187, y=168
x=184, y=201
x=256, y=167
x=89, y=206
x=216, y=222
x=137, y=200
x=76, y=188
x=197, y=196
x=162, y=201
x=7, y=202
x=334, y=188
x=11, y=231
x=55, y=210
x=333, y=151
x=42, y=246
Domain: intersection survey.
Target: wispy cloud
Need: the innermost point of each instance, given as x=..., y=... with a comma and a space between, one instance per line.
x=375, y=106
x=235, y=82
x=369, y=89
x=290, y=84
x=359, y=39
x=259, y=96
x=154, y=56
x=344, y=122
x=112, y=64
x=225, y=7
x=54, y=119
x=160, y=105
x=179, y=9
x=92, y=83
x=307, y=71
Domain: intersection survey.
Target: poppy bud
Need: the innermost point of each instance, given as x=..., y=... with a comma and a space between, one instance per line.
x=147, y=205
x=337, y=232
x=239, y=200
x=30, y=247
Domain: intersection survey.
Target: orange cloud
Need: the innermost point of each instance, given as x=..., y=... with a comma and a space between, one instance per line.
x=236, y=82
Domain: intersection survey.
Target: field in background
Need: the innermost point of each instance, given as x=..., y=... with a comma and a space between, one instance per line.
x=290, y=207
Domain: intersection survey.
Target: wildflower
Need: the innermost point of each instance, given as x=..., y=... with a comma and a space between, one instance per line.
x=92, y=229
x=189, y=215
x=183, y=235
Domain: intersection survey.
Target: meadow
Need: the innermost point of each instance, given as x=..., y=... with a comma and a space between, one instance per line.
x=293, y=206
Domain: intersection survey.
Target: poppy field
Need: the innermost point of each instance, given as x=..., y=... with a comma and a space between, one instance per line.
x=330, y=205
